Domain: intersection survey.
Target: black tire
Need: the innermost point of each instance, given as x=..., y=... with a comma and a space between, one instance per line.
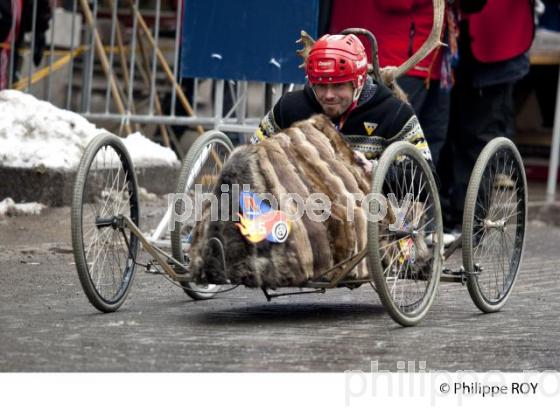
x=104, y=252
x=405, y=263
x=208, y=167
x=494, y=223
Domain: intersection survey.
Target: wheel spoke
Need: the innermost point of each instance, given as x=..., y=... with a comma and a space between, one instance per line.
x=107, y=183
x=498, y=230
x=407, y=262
x=202, y=168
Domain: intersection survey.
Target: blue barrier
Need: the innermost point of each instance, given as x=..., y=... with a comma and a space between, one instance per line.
x=250, y=40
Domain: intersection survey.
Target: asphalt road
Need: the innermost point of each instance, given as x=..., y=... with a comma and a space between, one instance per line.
x=47, y=324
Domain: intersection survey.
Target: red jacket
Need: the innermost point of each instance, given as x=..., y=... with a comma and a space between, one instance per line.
x=5, y=47
x=502, y=30
x=400, y=26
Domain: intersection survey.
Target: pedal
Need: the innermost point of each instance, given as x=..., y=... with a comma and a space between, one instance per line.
x=179, y=269
x=151, y=267
x=447, y=275
x=463, y=275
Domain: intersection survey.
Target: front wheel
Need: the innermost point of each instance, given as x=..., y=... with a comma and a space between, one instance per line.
x=405, y=233
x=105, y=251
x=200, y=170
x=494, y=222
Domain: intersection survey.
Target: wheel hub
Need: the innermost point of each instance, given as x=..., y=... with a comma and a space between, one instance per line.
x=500, y=224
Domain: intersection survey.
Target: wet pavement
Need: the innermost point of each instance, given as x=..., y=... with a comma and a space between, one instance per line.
x=47, y=324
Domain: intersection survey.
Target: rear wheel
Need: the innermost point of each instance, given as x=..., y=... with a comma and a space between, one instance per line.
x=201, y=167
x=494, y=223
x=405, y=258
x=105, y=189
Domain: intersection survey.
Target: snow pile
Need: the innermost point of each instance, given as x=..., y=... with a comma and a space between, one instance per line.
x=147, y=153
x=9, y=208
x=546, y=41
x=36, y=133
x=146, y=196
x=143, y=152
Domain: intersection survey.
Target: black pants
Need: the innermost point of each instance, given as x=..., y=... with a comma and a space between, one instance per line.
x=477, y=116
x=432, y=109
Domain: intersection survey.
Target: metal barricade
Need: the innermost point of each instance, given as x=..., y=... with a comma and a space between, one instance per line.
x=115, y=62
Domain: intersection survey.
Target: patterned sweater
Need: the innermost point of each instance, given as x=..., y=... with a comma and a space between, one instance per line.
x=378, y=120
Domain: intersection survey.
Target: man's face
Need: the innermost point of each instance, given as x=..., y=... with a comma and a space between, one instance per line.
x=334, y=98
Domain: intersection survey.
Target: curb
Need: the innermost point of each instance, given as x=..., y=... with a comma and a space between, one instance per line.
x=53, y=187
x=548, y=213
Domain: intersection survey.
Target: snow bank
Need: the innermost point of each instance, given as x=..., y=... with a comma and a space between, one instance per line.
x=35, y=133
x=9, y=208
x=147, y=153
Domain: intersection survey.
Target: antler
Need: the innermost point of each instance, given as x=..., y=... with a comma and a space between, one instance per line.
x=308, y=42
x=389, y=74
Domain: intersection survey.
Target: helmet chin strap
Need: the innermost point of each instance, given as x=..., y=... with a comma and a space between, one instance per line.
x=357, y=93
x=314, y=93
x=358, y=90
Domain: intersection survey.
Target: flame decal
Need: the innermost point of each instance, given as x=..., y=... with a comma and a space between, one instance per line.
x=258, y=221
x=252, y=229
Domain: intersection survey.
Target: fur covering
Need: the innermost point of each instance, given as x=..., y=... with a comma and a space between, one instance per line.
x=310, y=157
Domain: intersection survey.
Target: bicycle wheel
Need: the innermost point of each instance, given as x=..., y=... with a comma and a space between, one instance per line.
x=104, y=250
x=404, y=258
x=494, y=222
x=201, y=167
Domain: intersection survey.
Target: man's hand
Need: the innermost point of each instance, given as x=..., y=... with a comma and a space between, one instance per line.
x=363, y=162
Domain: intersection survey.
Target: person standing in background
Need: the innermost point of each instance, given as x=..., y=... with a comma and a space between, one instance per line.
x=10, y=18
x=21, y=13
x=401, y=27
x=493, y=44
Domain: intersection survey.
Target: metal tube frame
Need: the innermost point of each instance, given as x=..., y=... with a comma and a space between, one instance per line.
x=33, y=30
x=554, y=152
x=132, y=59
x=53, y=30
x=71, y=68
x=179, y=25
x=154, y=60
x=12, y=50
x=91, y=60
x=111, y=52
x=218, y=103
x=157, y=253
x=222, y=124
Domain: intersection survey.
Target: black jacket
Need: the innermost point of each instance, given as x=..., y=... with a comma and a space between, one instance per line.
x=378, y=119
x=5, y=19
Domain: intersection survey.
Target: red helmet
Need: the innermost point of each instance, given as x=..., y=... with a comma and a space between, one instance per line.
x=337, y=59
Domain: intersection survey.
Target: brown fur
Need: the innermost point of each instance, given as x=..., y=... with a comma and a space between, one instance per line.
x=310, y=157
x=296, y=183
x=341, y=170
x=300, y=263
x=341, y=233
